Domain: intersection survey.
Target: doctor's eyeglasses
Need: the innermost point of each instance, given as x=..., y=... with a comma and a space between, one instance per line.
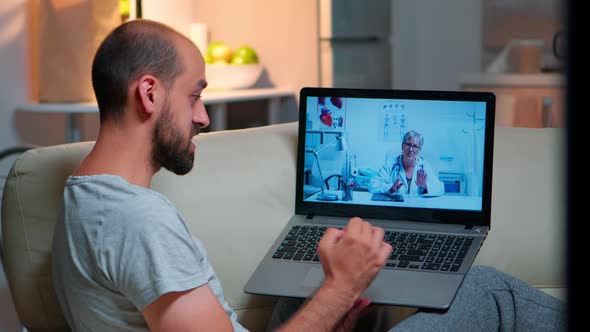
x=412, y=146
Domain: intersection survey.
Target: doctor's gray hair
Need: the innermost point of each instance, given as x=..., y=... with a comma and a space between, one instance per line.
x=411, y=134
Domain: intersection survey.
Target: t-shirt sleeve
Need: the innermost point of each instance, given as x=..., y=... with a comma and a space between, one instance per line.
x=148, y=251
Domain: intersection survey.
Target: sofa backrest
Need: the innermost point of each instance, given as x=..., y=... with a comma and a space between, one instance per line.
x=528, y=226
x=239, y=176
x=240, y=195
x=30, y=202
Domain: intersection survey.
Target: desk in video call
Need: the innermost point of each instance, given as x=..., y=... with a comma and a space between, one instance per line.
x=439, y=202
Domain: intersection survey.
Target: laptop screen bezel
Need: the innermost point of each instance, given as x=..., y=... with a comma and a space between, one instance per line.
x=449, y=216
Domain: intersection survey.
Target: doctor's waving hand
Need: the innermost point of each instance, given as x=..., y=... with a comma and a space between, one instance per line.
x=407, y=173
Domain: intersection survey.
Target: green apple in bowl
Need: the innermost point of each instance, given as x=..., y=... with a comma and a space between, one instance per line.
x=218, y=52
x=208, y=58
x=244, y=55
x=240, y=72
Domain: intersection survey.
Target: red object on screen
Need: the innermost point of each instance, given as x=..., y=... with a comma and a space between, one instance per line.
x=336, y=101
x=326, y=117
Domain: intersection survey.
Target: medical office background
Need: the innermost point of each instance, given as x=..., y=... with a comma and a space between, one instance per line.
x=453, y=135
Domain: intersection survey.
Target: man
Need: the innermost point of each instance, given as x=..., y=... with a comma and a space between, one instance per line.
x=123, y=257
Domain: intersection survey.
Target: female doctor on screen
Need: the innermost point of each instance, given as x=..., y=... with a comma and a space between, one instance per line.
x=407, y=173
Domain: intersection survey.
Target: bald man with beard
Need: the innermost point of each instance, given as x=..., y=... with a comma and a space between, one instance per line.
x=124, y=258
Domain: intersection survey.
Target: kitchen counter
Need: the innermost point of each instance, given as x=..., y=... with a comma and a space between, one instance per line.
x=522, y=100
x=512, y=79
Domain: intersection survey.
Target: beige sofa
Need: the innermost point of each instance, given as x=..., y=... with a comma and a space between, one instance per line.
x=241, y=193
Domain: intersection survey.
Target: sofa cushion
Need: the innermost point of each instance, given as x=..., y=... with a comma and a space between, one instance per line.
x=528, y=227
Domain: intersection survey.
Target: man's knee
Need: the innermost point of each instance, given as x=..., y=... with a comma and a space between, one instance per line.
x=483, y=272
x=484, y=278
x=487, y=278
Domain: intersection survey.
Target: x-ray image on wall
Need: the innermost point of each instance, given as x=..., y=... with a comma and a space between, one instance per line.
x=393, y=122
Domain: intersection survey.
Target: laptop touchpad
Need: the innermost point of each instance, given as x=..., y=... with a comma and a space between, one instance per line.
x=314, y=277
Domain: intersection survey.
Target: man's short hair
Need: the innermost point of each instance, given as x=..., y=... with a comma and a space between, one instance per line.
x=133, y=49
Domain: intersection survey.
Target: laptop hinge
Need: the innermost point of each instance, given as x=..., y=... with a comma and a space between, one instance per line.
x=468, y=227
x=309, y=216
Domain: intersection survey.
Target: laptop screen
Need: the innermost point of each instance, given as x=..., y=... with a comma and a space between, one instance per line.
x=396, y=154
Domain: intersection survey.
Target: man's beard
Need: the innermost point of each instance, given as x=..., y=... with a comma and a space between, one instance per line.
x=169, y=148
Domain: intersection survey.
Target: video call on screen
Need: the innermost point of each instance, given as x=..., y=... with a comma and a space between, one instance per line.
x=358, y=136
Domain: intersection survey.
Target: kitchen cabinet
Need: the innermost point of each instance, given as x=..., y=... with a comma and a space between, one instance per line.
x=523, y=100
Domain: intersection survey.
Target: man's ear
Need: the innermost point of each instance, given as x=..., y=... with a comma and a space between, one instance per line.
x=149, y=93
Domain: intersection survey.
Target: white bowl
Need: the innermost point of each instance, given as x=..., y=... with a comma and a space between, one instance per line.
x=229, y=77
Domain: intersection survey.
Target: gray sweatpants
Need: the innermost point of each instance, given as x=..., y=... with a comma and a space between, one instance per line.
x=488, y=300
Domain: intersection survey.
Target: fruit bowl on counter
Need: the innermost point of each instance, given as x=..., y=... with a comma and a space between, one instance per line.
x=230, y=77
x=227, y=69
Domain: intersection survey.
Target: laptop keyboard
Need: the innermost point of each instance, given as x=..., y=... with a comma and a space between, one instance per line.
x=411, y=250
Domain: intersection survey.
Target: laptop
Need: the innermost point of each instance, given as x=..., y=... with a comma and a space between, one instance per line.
x=350, y=145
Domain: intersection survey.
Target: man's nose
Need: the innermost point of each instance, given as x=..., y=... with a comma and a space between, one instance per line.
x=200, y=117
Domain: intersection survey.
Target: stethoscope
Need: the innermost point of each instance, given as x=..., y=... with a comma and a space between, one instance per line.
x=397, y=168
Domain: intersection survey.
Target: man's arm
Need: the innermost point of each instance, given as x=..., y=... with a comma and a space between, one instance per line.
x=196, y=309
x=351, y=259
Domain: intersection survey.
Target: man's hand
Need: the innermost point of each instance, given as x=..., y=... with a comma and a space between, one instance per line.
x=352, y=257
